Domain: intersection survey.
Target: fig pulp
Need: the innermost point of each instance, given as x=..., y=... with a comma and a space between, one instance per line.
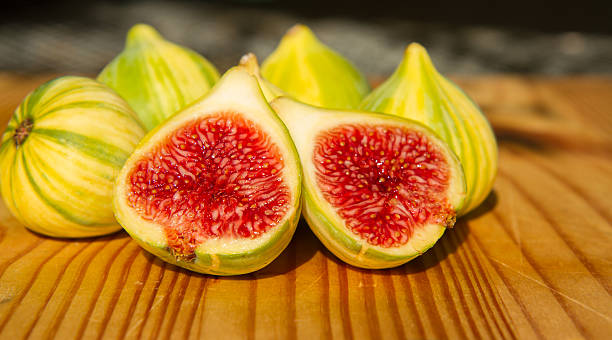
x=156, y=77
x=313, y=73
x=379, y=190
x=417, y=91
x=60, y=154
x=216, y=188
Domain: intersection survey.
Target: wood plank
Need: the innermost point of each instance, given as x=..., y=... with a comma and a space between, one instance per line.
x=533, y=261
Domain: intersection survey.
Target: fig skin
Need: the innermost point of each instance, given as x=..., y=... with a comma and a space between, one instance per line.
x=218, y=256
x=417, y=91
x=305, y=122
x=60, y=154
x=313, y=73
x=157, y=77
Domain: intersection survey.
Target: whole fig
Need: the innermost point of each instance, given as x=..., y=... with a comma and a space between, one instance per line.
x=156, y=77
x=313, y=73
x=60, y=154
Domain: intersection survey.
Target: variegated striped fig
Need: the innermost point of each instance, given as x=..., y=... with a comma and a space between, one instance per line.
x=416, y=90
x=60, y=154
x=156, y=77
x=313, y=73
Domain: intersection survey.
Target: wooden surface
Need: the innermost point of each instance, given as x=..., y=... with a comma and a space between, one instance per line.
x=535, y=261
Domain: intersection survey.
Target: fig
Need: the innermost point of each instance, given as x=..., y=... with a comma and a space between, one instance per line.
x=313, y=73
x=379, y=190
x=215, y=188
x=156, y=77
x=416, y=90
x=60, y=154
x=270, y=91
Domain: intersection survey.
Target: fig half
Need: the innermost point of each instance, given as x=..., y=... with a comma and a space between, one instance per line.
x=379, y=190
x=215, y=188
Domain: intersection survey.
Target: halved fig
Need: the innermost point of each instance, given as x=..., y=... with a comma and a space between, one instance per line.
x=379, y=190
x=216, y=188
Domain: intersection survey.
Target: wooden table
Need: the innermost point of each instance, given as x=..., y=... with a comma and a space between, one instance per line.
x=535, y=261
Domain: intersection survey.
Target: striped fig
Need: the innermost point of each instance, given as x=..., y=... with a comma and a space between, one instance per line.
x=60, y=154
x=156, y=77
x=416, y=90
x=313, y=73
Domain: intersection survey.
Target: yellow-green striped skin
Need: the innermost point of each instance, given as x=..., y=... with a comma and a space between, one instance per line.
x=59, y=180
x=313, y=73
x=156, y=77
x=417, y=91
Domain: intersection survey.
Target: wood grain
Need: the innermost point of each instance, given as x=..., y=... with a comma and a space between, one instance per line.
x=534, y=261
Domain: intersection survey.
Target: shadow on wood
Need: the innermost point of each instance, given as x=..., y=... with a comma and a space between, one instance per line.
x=487, y=205
x=287, y=261
x=120, y=234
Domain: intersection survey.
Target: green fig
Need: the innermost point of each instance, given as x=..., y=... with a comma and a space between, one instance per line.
x=416, y=90
x=156, y=77
x=313, y=73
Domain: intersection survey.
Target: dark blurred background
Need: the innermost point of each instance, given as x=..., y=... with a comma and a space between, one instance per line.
x=463, y=37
